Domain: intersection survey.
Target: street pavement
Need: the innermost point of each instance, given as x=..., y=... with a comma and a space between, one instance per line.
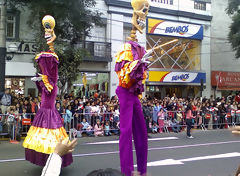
x=210, y=153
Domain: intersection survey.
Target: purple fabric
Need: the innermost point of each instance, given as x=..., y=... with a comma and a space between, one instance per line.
x=47, y=118
x=137, y=50
x=48, y=65
x=138, y=71
x=137, y=74
x=120, y=65
x=40, y=159
x=132, y=123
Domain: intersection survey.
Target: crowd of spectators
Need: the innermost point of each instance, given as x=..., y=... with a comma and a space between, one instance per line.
x=99, y=115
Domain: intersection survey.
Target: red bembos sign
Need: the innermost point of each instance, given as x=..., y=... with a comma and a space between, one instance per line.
x=226, y=80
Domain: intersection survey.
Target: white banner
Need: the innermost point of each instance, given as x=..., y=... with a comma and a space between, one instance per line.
x=178, y=29
x=180, y=77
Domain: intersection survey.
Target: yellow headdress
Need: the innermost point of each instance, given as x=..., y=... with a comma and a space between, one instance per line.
x=48, y=22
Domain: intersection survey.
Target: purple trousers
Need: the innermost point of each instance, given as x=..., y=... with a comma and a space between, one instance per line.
x=132, y=123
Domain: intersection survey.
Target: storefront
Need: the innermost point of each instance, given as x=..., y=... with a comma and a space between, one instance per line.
x=89, y=82
x=20, y=69
x=183, y=84
x=224, y=83
x=176, y=64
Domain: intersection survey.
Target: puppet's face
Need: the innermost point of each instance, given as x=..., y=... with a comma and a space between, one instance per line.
x=140, y=11
x=48, y=23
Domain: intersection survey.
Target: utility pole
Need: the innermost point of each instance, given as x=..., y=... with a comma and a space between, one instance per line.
x=3, y=6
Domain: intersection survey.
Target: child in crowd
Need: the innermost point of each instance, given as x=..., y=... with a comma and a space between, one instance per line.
x=98, y=129
x=11, y=121
x=150, y=124
x=155, y=128
x=107, y=129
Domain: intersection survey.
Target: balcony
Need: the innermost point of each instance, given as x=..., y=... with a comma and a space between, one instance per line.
x=99, y=51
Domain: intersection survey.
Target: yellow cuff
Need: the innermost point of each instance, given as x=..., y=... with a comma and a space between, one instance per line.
x=46, y=83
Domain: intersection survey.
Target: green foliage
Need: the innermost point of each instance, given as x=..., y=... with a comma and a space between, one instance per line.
x=234, y=34
x=233, y=6
x=74, y=20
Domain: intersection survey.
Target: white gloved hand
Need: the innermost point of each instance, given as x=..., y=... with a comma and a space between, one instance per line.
x=36, y=79
x=147, y=56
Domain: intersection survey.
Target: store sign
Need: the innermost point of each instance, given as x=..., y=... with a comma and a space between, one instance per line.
x=176, y=29
x=176, y=77
x=25, y=47
x=226, y=80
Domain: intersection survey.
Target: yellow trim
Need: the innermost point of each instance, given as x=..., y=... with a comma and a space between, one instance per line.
x=44, y=140
x=156, y=76
x=46, y=83
x=125, y=53
x=53, y=54
x=152, y=23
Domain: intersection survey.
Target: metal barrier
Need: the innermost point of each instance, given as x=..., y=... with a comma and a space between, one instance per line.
x=173, y=121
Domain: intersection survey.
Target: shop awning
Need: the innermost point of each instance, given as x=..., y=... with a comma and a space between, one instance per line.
x=176, y=78
x=225, y=80
x=20, y=69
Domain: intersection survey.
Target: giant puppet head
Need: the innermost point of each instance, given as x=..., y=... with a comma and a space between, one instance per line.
x=140, y=11
x=48, y=23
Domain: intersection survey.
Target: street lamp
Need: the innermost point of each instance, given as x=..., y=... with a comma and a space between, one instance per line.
x=12, y=49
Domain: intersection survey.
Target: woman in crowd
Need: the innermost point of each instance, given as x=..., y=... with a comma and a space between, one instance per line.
x=189, y=117
x=161, y=116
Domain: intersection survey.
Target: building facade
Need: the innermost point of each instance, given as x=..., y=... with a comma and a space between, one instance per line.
x=194, y=56
x=225, y=73
x=182, y=31
x=20, y=66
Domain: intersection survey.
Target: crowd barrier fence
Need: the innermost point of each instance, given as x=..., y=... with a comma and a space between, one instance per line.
x=72, y=124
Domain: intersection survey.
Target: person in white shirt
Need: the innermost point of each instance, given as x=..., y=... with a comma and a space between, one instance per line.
x=54, y=162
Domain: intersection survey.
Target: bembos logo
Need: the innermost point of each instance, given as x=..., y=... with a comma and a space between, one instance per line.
x=182, y=77
x=179, y=29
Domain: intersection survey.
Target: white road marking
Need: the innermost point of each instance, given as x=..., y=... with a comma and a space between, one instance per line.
x=117, y=141
x=150, y=149
x=12, y=160
x=168, y=162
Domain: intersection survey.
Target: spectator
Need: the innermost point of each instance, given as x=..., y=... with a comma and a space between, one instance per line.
x=11, y=122
x=161, y=116
x=98, y=129
x=155, y=128
x=156, y=109
x=5, y=101
x=189, y=117
x=86, y=128
x=237, y=97
x=87, y=112
x=68, y=118
x=107, y=129
x=59, y=108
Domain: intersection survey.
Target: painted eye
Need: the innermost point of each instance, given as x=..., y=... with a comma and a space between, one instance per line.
x=145, y=10
x=47, y=26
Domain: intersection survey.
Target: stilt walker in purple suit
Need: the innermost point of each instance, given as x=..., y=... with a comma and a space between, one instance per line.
x=131, y=66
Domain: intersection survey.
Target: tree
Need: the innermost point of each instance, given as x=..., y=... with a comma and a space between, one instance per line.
x=234, y=34
x=74, y=20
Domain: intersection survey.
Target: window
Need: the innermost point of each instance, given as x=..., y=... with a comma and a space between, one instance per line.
x=11, y=25
x=200, y=5
x=174, y=53
x=163, y=1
